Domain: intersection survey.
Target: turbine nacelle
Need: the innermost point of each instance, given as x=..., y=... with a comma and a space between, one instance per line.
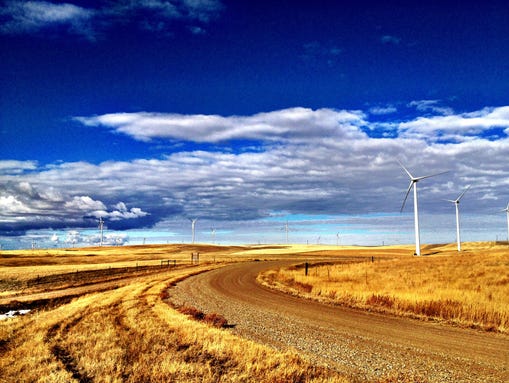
x=457, y=200
x=413, y=181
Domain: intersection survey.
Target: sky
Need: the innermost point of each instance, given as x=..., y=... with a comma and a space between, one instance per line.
x=260, y=119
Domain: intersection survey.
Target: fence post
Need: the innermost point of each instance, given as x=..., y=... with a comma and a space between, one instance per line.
x=307, y=267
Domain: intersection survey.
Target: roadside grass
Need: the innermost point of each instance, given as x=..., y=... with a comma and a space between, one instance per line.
x=130, y=334
x=469, y=289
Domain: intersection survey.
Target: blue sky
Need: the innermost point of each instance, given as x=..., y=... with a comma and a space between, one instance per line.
x=248, y=114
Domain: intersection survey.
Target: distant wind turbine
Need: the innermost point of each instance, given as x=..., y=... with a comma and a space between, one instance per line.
x=413, y=183
x=193, y=223
x=507, y=211
x=456, y=203
x=101, y=227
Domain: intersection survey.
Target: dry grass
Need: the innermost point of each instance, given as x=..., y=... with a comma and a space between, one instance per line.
x=130, y=334
x=469, y=289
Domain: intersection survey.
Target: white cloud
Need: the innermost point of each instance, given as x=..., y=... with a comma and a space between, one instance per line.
x=84, y=203
x=37, y=203
x=32, y=16
x=458, y=128
x=287, y=124
x=16, y=167
x=431, y=106
x=11, y=205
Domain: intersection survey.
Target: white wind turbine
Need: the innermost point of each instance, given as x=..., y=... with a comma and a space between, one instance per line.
x=193, y=223
x=507, y=211
x=413, y=183
x=456, y=202
x=101, y=227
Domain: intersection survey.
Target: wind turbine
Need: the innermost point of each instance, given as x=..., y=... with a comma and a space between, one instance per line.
x=193, y=223
x=507, y=211
x=101, y=227
x=456, y=202
x=413, y=183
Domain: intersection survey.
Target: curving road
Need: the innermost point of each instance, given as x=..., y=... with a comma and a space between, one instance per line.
x=361, y=344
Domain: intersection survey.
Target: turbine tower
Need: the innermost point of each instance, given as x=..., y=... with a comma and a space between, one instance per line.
x=456, y=202
x=507, y=211
x=101, y=227
x=193, y=223
x=413, y=183
x=287, y=229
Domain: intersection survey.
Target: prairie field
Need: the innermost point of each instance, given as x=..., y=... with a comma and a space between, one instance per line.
x=468, y=289
x=129, y=332
x=103, y=314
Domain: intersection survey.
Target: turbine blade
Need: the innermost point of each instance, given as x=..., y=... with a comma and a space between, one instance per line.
x=431, y=175
x=462, y=194
x=406, y=170
x=406, y=196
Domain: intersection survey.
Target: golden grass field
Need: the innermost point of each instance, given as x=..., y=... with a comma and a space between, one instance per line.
x=127, y=331
x=130, y=333
x=468, y=289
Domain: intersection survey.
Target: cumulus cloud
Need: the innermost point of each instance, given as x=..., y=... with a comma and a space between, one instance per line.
x=24, y=17
x=84, y=203
x=26, y=205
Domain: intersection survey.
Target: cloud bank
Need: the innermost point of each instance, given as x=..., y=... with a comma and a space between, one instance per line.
x=295, y=161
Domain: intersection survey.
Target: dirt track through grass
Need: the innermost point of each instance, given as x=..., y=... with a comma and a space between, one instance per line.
x=368, y=346
x=129, y=334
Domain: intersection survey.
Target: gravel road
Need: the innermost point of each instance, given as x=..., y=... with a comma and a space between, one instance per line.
x=365, y=346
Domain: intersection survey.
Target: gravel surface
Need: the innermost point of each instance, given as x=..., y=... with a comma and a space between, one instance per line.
x=364, y=346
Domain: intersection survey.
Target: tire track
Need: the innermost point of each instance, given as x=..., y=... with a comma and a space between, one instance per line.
x=54, y=337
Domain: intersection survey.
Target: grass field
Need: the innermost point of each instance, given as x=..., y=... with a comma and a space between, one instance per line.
x=129, y=333
x=470, y=288
x=126, y=331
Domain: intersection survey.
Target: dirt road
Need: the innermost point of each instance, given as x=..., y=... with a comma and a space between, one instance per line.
x=366, y=346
